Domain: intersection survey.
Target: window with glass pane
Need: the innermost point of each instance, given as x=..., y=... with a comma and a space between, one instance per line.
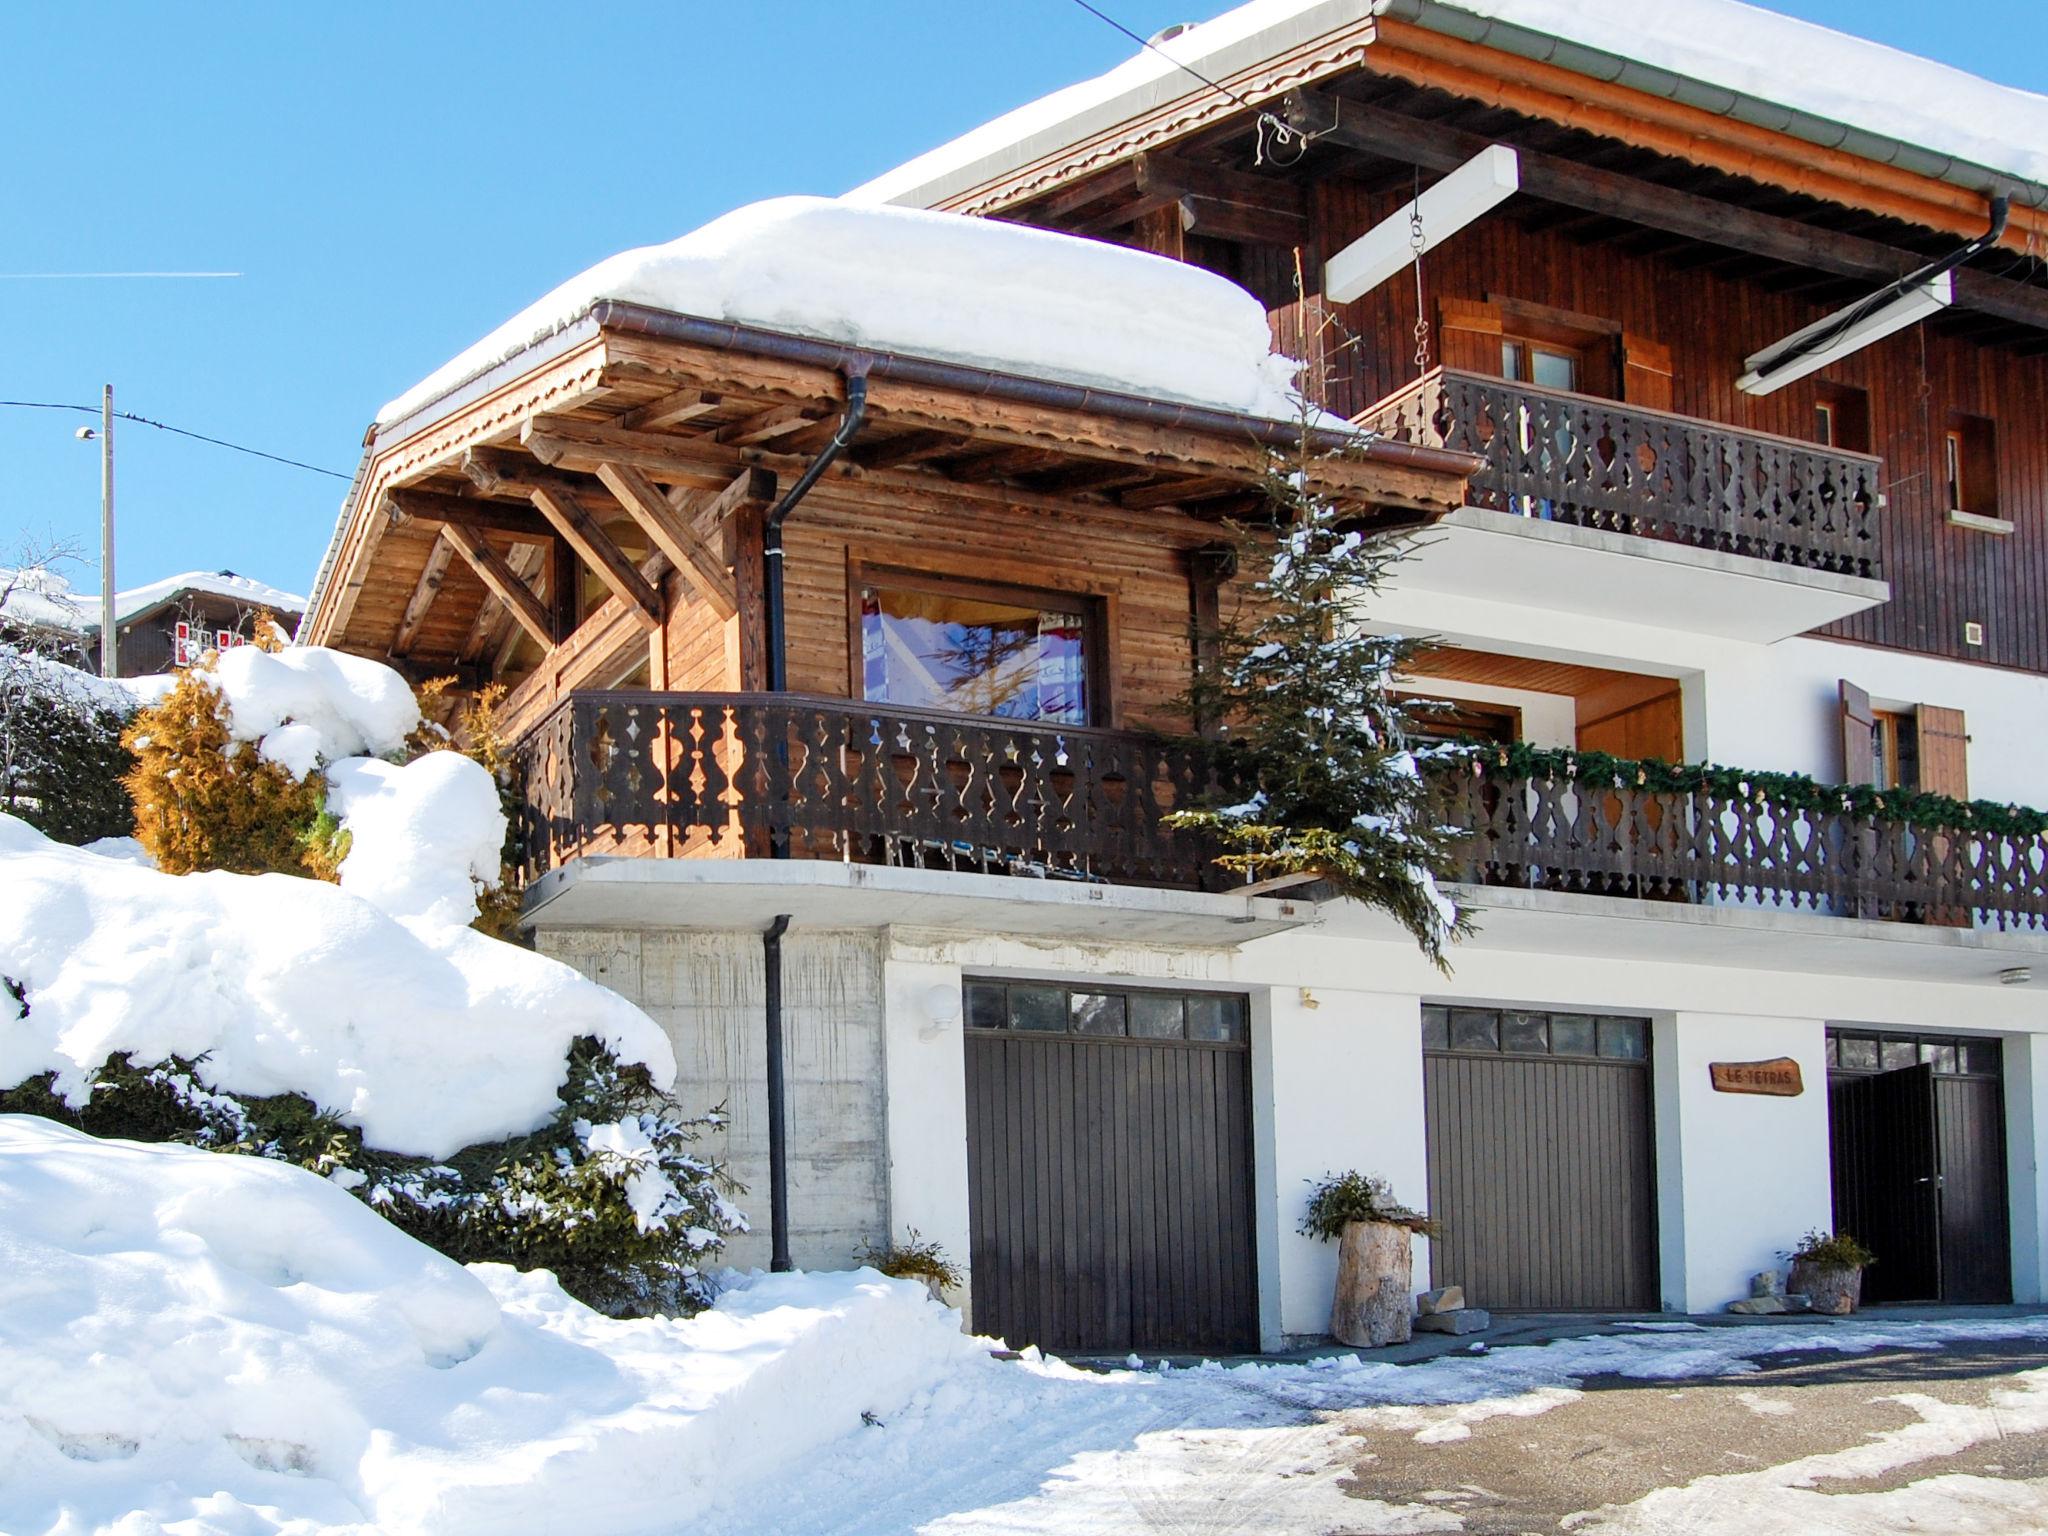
x=1215, y=1016
x=1624, y=1038
x=1899, y=1053
x=1571, y=1034
x=1980, y=1057
x=986, y=1006
x=1018, y=657
x=1859, y=1053
x=1097, y=1013
x=1039, y=1008
x=1473, y=1030
x=1156, y=1016
x=1436, y=1029
x=1524, y=1033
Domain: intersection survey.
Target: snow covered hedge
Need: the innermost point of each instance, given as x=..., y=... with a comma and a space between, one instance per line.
x=61, y=757
x=495, y=1103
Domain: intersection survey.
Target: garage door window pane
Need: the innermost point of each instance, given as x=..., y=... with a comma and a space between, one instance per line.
x=1571, y=1034
x=1473, y=1030
x=986, y=1008
x=1940, y=1057
x=1981, y=1057
x=1214, y=1017
x=1098, y=1013
x=1154, y=1017
x=1043, y=1008
x=1859, y=1054
x=1524, y=1033
x=1624, y=1039
x=1436, y=1029
x=1899, y=1053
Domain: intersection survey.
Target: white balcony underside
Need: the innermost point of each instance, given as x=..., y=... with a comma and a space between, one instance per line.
x=604, y=892
x=1477, y=553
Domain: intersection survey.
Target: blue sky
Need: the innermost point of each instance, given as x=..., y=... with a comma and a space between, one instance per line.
x=395, y=180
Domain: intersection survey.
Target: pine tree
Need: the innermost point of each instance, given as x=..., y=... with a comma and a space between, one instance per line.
x=1311, y=723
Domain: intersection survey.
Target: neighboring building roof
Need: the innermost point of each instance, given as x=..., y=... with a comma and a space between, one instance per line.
x=937, y=286
x=48, y=601
x=1735, y=59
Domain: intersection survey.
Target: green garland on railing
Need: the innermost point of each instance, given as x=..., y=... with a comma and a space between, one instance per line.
x=1793, y=791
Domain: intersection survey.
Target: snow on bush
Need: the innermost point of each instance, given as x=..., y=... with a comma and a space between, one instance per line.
x=423, y=838
x=304, y=705
x=61, y=758
x=425, y=1037
x=237, y=1345
x=936, y=285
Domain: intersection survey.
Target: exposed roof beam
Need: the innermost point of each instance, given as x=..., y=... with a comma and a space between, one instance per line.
x=494, y=617
x=671, y=410
x=674, y=534
x=502, y=582
x=1217, y=220
x=433, y=508
x=1374, y=130
x=582, y=533
x=424, y=591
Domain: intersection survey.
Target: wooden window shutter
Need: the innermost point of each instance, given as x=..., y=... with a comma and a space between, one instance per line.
x=1859, y=762
x=1468, y=336
x=1944, y=752
x=1645, y=372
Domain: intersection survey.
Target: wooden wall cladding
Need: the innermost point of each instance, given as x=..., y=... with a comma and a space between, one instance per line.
x=1942, y=576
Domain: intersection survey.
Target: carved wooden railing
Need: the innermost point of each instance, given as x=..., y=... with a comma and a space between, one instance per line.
x=1605, y=464
x=1748, y=849
x=759, y=775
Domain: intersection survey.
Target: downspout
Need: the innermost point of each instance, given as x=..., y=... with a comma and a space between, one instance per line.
x=771, y=530
x=778, y=1142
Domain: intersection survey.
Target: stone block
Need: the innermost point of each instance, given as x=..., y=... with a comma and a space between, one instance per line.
x=1445, y=1298
x=1759, y=1306
x=1768, y=1282
x=1464, y=1320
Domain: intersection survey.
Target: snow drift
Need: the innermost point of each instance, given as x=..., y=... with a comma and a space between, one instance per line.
x=425, y=1035
x=203, y=1343
x=933, y=285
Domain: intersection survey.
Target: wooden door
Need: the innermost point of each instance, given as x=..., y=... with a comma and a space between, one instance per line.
x=1976, y=1239
x=1887, y=1172
x=1110, y=1177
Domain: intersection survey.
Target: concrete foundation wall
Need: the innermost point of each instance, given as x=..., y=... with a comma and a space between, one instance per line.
x=705, y=990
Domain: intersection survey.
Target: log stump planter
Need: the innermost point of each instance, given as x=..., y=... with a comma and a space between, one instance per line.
x=1827, y=1269
x=1374, y=1232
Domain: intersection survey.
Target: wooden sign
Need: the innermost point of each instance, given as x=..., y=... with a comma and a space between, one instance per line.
x=1778, y=1077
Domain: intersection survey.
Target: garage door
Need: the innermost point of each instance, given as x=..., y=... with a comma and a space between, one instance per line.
x=1541, y=1164
x=1110, y=1167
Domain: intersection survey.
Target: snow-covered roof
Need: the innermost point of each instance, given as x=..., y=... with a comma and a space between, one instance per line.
x=40, y=597
x=937, y=286
x=1743, y=52
x=241, y=589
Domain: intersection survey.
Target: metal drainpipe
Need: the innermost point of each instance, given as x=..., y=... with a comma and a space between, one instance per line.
x=771, y=529
x=778, y=1143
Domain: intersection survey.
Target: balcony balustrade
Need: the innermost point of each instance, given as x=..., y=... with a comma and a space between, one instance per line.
x=711, y=775
x=1623, y=468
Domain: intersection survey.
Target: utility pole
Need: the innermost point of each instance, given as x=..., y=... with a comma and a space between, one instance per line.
x=108, y=666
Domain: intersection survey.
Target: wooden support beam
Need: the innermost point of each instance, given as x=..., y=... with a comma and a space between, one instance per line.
x=1215, y=220
x=581, y=532
x=763, y=426
x=496, y=472
x=434, y=508
x=910, y=448
x=1435, y=146
x=673, y=535
x=502, y=582
x=494, y=618
x=1176, y=492
x=423, y=594
x=671, y=410
x=1173, y=178
x=1003, y=463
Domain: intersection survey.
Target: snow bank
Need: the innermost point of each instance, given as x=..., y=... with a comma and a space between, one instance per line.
x=203, y=1343
x=306, y=703
x=428, y=1037
x=421, y=836
x=934, y=285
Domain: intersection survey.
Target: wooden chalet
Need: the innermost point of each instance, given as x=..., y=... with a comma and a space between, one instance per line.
x=586, y=525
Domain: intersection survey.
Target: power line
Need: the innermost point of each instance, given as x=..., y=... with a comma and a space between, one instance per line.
x=164, y=426
x=65, y=276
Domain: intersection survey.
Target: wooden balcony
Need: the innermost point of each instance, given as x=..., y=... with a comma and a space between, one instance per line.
x=1750, y=849
x=740, y=775
x=1622, y=468
x=718, y=775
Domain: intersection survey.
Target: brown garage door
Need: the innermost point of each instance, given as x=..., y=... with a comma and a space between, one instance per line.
x=1541, y=1164
x=1110, y=1168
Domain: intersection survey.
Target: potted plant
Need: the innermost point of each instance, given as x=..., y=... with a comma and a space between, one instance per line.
x=1827, y=1269
x=1375, y=1262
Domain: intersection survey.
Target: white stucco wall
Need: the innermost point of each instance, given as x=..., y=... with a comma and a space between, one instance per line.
x=1741, y=1177
x=2026, y=1162
x=927, y=1137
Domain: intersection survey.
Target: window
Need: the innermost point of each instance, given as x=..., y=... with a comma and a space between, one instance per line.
x=1543, y=364
x=1118, y=1012
x=1841, y=418
x=1894, y=750
x=1521, y=1032
x=1969, y=451
x=979, y=650
x=1950, y=1056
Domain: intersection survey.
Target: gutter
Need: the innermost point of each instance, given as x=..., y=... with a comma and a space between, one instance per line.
x=1448, y=20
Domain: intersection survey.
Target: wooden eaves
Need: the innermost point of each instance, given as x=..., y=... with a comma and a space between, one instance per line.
x=472, y=518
